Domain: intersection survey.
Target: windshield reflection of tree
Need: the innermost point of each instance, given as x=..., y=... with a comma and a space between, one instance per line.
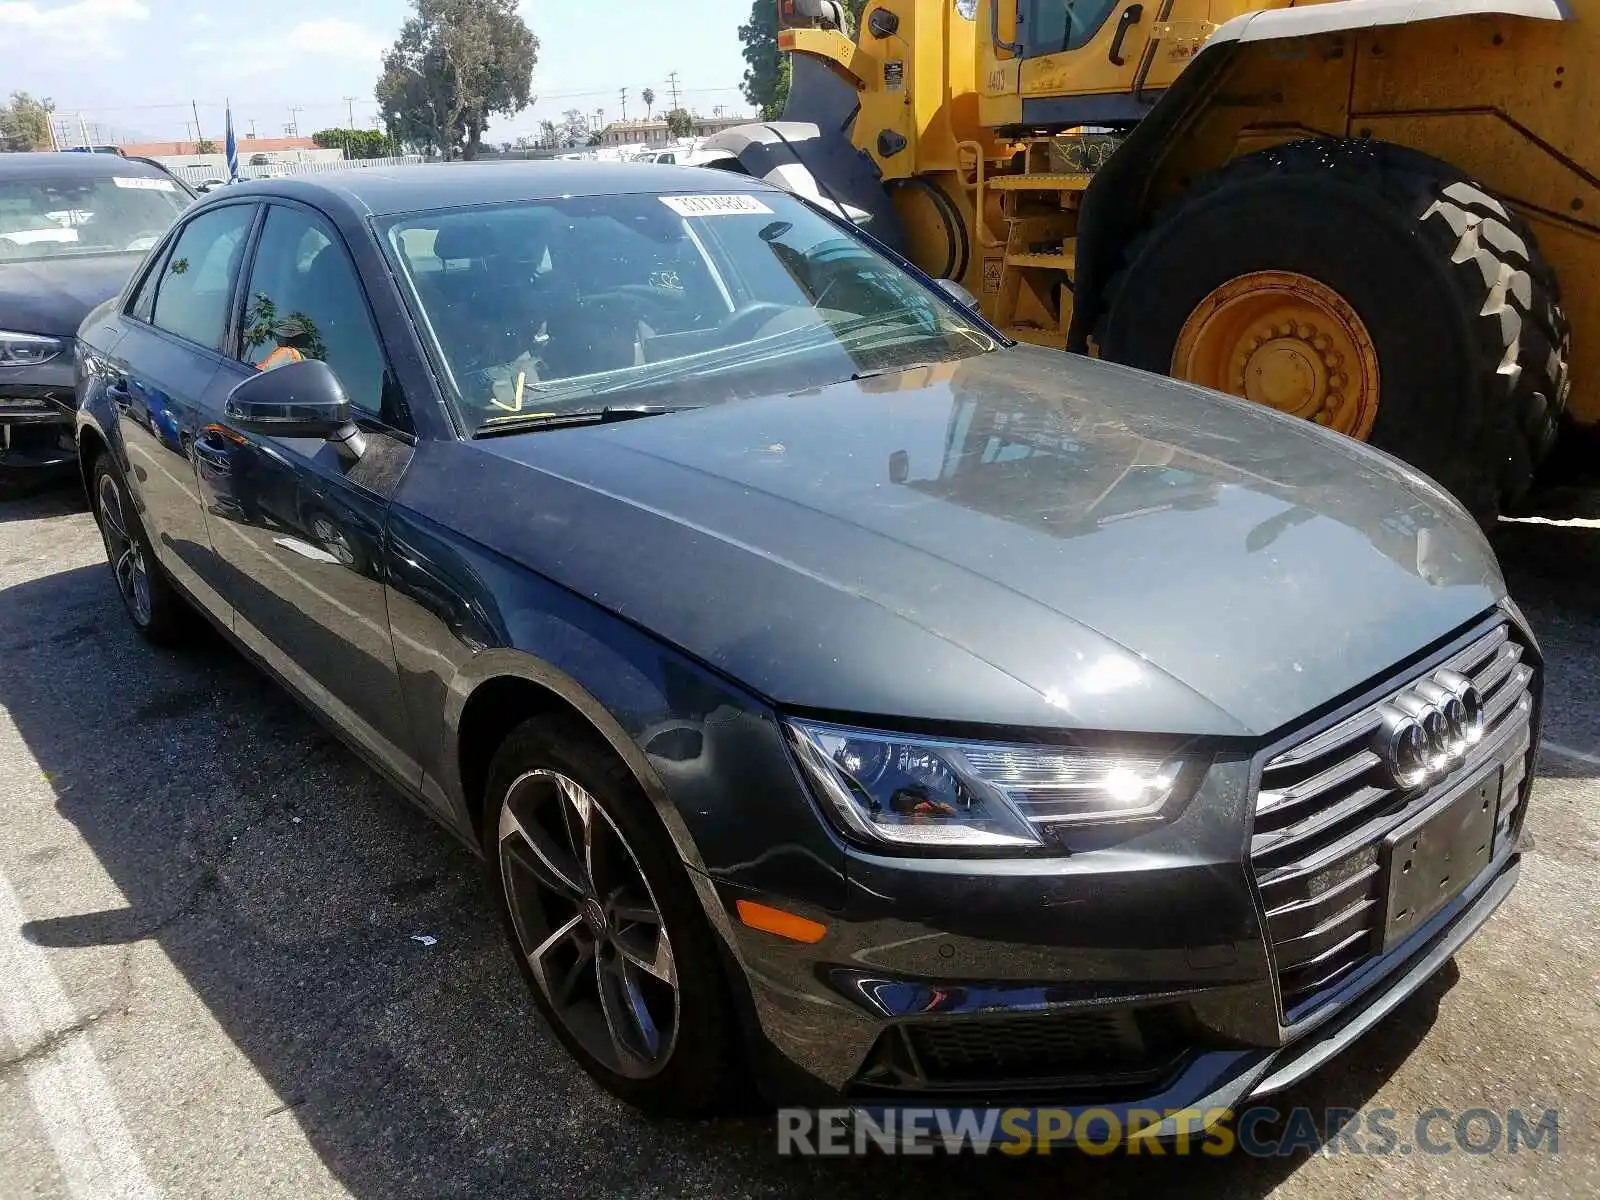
x=1070, y=468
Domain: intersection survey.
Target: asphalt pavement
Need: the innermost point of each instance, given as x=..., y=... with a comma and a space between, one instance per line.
x=234, y=964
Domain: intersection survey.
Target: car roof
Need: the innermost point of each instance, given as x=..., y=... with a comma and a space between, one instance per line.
x=390, y=191
x=66, y=165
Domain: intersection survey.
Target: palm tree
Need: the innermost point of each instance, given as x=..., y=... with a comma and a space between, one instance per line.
x=649, y=98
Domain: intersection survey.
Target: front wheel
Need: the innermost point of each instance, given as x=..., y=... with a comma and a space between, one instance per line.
x=1369, y=288
x=605, y=924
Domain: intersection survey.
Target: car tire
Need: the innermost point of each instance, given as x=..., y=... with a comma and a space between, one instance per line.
x=546, y=773
x=1464, y=312
x=154, y=606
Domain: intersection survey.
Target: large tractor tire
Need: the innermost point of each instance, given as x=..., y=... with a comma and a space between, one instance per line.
x=1368, y=287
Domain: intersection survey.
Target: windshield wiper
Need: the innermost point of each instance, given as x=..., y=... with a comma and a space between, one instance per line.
x=874, y=372
x=585, y=416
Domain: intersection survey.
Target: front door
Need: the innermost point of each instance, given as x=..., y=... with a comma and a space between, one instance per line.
x=297, y=529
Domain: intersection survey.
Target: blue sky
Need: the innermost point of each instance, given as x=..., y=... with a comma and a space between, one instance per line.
x=133, y=66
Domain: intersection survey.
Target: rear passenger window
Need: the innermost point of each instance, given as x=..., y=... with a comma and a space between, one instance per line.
x=195, y=290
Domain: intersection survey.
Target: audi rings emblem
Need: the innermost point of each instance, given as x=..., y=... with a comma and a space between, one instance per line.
x=1427, y=729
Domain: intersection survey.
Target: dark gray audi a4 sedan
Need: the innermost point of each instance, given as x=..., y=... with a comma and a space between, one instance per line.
x=841, y=698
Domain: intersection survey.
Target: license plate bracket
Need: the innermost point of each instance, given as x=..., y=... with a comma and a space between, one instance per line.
x=1430, y=859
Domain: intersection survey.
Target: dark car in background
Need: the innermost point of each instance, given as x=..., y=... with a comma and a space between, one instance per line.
x=72, y=229
x=837, y=693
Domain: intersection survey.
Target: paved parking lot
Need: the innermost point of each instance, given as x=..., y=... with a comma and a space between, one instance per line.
x=209, y=983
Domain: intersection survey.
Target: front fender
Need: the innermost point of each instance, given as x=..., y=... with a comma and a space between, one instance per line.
x=709, y=756
x=501, y=663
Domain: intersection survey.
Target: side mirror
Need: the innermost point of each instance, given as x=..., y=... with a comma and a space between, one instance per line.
x=299, y=399
x=958, y=293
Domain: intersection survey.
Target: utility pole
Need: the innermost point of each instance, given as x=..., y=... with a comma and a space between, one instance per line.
x=84, y=131
x=624, y=106
x=350, y=111
x=294, y=120
x=195, y=109
x=252, y=128
x=672, y=85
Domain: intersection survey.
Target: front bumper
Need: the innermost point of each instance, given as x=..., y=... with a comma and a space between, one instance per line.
x=1138, y=975
x=38, y=408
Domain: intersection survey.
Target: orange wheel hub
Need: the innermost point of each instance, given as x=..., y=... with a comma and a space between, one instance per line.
x=1287, y=341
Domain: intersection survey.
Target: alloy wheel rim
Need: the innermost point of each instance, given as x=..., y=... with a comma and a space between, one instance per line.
x=124, y=552
x=588, y=924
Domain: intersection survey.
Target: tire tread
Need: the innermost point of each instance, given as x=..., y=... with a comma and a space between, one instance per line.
x=1507, y=293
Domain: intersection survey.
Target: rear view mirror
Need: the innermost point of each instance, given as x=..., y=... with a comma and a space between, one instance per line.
x=959, y=294
x=298, y=399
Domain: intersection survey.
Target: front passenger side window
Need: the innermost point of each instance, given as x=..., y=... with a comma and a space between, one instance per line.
x=305, y=301
x=194, y=295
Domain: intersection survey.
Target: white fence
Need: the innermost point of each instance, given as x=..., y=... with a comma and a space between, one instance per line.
x=195, y=171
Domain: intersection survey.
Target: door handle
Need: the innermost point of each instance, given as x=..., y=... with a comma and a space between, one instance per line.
x=1129, y=18
x=211, y=455
x=117, y=392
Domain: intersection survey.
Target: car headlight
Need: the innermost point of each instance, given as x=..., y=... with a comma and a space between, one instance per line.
x=934, y=793
x=27, y=349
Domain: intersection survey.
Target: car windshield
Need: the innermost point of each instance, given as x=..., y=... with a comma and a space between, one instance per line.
x=574, y=305
x=52, y=216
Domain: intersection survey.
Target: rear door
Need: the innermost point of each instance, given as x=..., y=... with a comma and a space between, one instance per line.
x=298, y=530
x=176, y=327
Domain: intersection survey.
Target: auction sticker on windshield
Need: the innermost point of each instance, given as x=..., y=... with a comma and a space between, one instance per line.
x=714, y=206
x=144, y=185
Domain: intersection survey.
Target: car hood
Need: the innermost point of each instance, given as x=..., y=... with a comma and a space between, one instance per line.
x=1025, y=538
x=53, y=295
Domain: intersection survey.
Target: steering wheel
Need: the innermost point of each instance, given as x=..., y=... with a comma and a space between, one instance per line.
x=746, y=320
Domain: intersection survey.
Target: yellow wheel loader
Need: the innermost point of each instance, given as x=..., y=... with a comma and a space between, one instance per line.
x=1380, y=215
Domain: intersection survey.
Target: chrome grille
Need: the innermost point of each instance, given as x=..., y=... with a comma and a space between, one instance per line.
x=1326, y=804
